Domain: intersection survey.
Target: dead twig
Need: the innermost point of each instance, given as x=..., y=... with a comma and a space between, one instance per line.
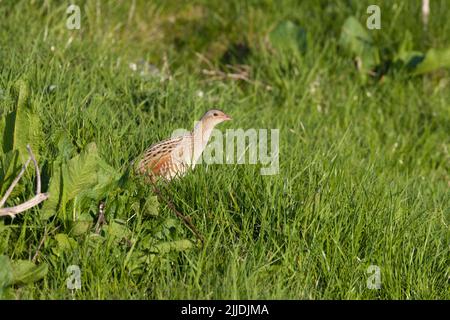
x=38, y=198
x=238, y=72
x=101, y=217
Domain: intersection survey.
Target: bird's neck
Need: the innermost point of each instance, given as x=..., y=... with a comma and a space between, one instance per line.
x=201, y=134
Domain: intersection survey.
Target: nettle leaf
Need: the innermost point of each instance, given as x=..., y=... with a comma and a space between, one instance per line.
x=287, y=35
x=25, y=272
x=80, y=172
x=84, y=176
x=357, y=41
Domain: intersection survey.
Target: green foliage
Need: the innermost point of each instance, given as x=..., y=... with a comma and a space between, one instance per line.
x=6, y=274
x=288, y=37
x=25, y=272
x=418, y=63
x=85, y=176
x=22, y=126
x=18, y=272
x=17, y=129
x=64, y=244
x=364, y=167
x=178, y=245
x=356, y=40
x=9, y=168
x=433, y=60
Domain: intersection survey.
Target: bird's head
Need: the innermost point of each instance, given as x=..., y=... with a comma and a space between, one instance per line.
x=214, y=117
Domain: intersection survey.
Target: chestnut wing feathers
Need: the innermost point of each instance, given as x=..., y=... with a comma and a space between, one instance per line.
x=159, y=160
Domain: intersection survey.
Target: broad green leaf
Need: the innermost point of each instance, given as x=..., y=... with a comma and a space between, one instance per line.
x=6, y=274
x=81, y=172
x=84, y=176
x=5, y=236
x=178, y=245
x=2, y=131
x=8, y=132
x=287, y=35
x=82, y=225
x=357, y=41
x=55, y=189
x=419, y=63
x=65, y=243
x=22, y=126
x=151, y=206
x=25, y=271
x=411, y=59
x=65, y=147
x=434, y=59
x=9, y=168
x=408, y=57
x=117, y=230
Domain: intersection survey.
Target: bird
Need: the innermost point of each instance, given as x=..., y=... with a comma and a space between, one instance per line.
x=173, y=157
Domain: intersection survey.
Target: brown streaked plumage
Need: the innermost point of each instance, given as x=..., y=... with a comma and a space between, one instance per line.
x=174, y=156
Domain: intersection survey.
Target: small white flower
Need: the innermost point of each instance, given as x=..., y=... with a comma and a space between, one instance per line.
x=133, y=66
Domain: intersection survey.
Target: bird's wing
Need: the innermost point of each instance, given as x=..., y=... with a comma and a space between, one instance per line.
x=159, y=159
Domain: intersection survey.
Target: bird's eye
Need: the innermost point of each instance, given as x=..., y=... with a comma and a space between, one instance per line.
x=215, y=114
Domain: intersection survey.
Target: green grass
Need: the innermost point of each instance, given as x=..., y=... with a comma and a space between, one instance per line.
x=364, y=167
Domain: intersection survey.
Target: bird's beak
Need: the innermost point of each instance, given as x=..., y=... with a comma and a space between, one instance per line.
x=227, y=118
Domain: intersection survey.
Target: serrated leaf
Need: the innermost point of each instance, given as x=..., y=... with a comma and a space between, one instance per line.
x=80, y=173
x=85, y=175
x=25, y=271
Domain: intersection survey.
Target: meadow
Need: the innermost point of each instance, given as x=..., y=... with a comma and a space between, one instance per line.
x=364, y=150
